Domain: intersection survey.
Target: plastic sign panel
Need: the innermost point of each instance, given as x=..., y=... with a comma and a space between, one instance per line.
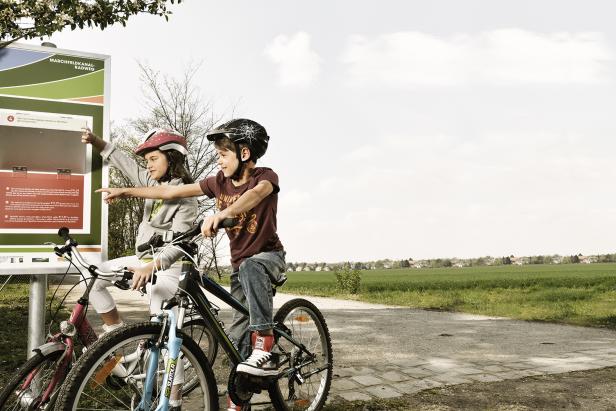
x=47, y=176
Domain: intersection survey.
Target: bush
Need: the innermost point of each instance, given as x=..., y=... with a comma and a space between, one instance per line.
x=348, y=280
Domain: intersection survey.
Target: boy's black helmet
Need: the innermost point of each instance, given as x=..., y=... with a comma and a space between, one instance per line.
x=243, y=131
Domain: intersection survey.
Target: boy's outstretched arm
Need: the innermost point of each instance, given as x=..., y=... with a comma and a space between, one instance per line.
x=163, y=192
x=246, y=202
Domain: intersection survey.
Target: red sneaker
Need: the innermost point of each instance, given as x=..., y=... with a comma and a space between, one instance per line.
x=260, y=362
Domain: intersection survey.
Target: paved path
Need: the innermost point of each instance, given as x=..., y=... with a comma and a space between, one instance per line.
x=384, y=352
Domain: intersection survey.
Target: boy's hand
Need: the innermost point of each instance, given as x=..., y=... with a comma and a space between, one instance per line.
x=112, y=193
x=87, y=137
x=141, y=275
x=210, y=224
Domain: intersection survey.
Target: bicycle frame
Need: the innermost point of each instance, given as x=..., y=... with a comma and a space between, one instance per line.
x=191, y=289
x=84, y=333
x=191, y=283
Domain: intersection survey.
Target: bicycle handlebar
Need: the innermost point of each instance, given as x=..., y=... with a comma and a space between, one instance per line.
x=157, y=239
x=70, y=247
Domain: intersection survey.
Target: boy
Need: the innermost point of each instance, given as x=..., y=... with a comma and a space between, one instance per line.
x=250, y=194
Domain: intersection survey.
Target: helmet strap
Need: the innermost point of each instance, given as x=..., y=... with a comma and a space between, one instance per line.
x=240, y=167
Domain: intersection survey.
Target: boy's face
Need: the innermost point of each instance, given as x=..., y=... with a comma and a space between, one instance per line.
x=157, y=164
x=227, y=161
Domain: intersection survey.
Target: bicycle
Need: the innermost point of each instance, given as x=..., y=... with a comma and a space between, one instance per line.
x=302, y=346
x=36, y=384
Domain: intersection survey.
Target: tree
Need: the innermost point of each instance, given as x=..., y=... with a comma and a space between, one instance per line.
x=174, y=104
x=25, y=19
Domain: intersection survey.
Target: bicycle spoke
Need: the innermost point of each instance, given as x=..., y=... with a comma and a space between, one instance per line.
x=111, y=394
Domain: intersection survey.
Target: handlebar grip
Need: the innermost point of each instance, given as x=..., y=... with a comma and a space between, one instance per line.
x=196, y=229
x=143, y=247
x=128, y=275
x=155, y=241
x=63, y=233
x=229, y=222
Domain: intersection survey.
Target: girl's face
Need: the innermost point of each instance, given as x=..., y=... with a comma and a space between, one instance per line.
x=156, y=164
x=227, y=161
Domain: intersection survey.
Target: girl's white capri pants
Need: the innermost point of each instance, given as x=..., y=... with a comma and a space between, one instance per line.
x=165, y=288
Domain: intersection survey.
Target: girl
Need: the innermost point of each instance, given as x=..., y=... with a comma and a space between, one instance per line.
x=164, y=152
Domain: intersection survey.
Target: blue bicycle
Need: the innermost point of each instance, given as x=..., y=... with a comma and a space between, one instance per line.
x=166, y=365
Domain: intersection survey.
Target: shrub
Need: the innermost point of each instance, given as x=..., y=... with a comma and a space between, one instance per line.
x=348, y=280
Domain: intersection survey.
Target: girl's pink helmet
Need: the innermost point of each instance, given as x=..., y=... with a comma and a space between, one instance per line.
x=163, y=140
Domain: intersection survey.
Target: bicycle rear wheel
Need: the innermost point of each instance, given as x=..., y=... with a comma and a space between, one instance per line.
x=24, y=390
x=309, y=389
x=111, y=374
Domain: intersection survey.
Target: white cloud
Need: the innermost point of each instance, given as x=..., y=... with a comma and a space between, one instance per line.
x=298, y=64
x=295, y=198
x=499, y=193
x=499, y=57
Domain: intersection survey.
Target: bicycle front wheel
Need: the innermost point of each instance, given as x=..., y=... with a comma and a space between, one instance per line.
x=25, y=390
x=308, y=387
x=112, y=373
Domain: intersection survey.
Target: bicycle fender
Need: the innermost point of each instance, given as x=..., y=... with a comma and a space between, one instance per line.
x=49, y=347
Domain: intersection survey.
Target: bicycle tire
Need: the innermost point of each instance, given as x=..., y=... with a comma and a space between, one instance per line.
x=305, y=322
x=10, y=399
x=191, y=329
x=200, y=333
x=80, y=377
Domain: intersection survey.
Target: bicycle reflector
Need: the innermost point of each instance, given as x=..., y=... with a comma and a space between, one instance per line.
x=302, y=318
x=104, y=372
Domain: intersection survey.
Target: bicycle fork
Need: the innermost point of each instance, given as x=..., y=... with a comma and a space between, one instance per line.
x=174, y=344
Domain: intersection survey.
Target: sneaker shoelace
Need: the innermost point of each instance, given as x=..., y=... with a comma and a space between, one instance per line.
x=258, y=357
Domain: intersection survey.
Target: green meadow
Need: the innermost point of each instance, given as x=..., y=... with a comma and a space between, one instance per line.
x=14, y=300
x=582, y=294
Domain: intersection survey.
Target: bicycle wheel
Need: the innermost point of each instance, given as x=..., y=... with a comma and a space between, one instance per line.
x=111, y=374
x=198, y=331
x=24, y=390
x=309, y=389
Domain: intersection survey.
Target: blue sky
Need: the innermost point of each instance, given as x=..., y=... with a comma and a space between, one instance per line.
x=406, y=128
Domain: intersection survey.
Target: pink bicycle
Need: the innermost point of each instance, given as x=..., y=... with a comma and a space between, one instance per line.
x=36, y=384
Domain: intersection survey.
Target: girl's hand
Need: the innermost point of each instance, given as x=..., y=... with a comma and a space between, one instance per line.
x=141, y=276
x=87, y=137
x=112, y=193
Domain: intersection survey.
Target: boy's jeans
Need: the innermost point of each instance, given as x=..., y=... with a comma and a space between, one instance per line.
x=252, y=286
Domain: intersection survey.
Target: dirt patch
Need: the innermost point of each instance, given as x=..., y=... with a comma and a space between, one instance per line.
x=580, y=390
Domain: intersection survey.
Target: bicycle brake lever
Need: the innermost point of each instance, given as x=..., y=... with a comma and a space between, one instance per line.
x=122, y=284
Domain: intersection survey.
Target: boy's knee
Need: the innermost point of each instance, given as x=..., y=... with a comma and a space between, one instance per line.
x=250, y=266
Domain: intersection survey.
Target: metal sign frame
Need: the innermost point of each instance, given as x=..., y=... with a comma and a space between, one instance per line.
x=23, y=249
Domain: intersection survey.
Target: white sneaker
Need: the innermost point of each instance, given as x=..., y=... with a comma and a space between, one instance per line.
x=111, y=327
x=259, y=364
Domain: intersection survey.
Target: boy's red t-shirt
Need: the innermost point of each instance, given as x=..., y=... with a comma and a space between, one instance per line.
x=256, y=230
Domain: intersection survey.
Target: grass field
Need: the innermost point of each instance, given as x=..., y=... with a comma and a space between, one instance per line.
x=14, y=330
x=574, y=293
x=583, y=294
